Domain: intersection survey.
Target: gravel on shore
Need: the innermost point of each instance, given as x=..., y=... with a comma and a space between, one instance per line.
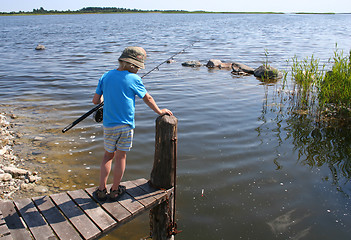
x=13, y=175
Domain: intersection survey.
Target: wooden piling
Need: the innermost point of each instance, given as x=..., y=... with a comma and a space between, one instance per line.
x=163, y=176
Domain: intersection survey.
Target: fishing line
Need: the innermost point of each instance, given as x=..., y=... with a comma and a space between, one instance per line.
x=96, y=108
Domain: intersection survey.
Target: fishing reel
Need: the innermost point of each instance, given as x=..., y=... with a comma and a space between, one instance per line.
x=98, y=115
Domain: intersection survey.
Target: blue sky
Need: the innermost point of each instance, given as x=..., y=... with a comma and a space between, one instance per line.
x=338, y=6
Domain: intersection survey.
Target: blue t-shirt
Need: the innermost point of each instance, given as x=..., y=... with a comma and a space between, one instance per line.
x=119, y=89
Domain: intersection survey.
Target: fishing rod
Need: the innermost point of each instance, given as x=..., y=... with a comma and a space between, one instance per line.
x=85, y=115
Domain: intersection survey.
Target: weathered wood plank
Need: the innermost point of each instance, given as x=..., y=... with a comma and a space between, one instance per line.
x=14, y=222
x=34, y=220
x=4, y=230
x=145, y=198
x=115, y=209
x=159, y=195
x=103, y=220
x=76, y=216
x=129, y=203
x=81, y=208
x=6, y=237
x=63, y=229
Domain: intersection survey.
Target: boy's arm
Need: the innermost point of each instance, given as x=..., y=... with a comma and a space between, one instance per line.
x=149, y=100
x=97, y=99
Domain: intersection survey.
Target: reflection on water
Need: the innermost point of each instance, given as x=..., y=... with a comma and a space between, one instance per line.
x=317, y=143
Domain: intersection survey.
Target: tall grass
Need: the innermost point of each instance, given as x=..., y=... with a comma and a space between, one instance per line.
x=335, y=89
x=319, y=93
x=307, y=76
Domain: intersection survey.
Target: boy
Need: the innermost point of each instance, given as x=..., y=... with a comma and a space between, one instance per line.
x=118, y=88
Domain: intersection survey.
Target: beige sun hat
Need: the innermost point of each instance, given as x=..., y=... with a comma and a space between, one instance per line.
x=134, y=55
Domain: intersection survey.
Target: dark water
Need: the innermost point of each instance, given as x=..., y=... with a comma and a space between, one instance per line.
x=264, y=174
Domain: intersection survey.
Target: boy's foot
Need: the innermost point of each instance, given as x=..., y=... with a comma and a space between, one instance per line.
x=101, y=195
x=115, y=194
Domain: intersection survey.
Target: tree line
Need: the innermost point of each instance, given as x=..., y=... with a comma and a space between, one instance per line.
x=91, y=10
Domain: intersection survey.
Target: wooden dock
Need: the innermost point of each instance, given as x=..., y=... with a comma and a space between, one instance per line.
x=79, y=215
x=76, y=214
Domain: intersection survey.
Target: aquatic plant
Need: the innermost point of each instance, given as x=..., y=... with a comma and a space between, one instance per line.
x=307, y=76
x=320, y=93
x=335, y=89
x=267, y=73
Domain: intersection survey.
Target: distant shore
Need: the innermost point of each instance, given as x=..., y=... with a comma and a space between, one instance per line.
x=111, y=10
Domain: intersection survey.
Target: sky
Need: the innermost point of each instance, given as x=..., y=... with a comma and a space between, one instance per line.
x=287, y=6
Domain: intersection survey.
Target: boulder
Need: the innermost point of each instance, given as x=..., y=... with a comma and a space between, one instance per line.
x=40, y=47
x=5, y=177
x=267, y=73
x=225, y=65
x=215, y=63
x=15, y=172
x=33, y=179
x=192, y=64
x=239, y=67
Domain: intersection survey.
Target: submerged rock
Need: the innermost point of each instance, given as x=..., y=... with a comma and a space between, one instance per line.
x=40, y=189
x=267, y=73
x=192, y=64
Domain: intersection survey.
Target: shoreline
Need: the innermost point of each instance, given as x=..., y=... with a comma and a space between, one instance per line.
x=15, y=179
x=167, y=12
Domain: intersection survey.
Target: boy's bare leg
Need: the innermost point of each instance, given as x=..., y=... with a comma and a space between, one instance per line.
x=119, y=167
x=105, y=169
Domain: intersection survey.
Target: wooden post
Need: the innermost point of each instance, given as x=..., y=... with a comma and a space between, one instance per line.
x=163, y=174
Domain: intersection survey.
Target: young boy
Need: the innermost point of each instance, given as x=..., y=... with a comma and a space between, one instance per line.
x=118, y=88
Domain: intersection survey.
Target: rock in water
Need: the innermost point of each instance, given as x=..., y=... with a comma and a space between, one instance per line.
x=213, y=63
x=192, y=64
x=40, y=47
x=267, y=73
x=239, y=67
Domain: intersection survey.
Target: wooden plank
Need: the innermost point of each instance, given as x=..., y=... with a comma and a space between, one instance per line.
x=115, y=209
x=13, y=221
x=139, y=194
x=63, y=229
x=76, y=216
x=34, y=220
x=103, y=220
x=128, y=202
x=144, y=184
x=6, y=237
x=4, y=230
x=150, y=193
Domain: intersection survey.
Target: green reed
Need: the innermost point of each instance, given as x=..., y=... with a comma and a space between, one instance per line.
x=335, y=89
x=322, y=94
x=307, y=77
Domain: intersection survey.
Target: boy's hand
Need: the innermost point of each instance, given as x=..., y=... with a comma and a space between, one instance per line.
x=166, y=111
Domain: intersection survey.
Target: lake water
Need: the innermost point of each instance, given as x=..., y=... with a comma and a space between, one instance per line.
x=245, y=169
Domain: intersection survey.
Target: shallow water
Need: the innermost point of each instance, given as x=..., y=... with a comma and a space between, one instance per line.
x=263, y=174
